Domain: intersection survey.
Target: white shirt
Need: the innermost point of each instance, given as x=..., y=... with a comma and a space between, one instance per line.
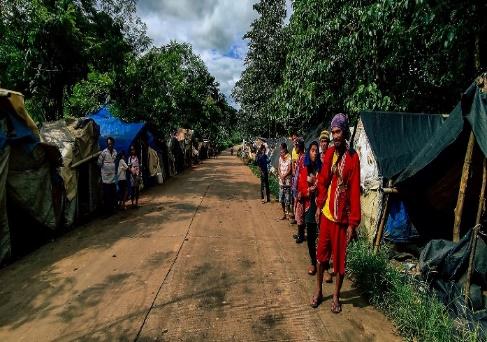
x=122, y=170
x=106, y=161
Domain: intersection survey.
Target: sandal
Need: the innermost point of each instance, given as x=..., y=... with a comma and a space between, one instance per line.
x=283, y=217
x=316, y=301
x=336, y=306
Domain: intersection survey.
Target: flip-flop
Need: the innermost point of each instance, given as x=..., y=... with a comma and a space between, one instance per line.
x=336, y=307
x=312, y=270
x=316, y=301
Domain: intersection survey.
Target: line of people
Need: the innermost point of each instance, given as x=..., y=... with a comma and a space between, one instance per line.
x=320, y=192
x=115, y=169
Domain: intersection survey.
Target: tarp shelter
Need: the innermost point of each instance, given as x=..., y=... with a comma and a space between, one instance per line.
x=77, y=140
x=386, y=143
x=30, y=190
x=126, y=134
x=430, y=183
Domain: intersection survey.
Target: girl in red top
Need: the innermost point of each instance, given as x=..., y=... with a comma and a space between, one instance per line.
x=307, y=194
x=339, y=202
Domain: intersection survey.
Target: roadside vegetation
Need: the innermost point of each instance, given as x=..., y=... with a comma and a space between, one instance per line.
x=415, y=311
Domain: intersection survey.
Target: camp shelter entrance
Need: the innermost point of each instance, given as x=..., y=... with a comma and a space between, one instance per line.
x=386, y=143
x=77, y=139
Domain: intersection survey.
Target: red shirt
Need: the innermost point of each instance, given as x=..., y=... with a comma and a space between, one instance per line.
x=344, y=185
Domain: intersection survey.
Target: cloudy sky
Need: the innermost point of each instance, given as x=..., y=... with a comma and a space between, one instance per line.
x=213, y=27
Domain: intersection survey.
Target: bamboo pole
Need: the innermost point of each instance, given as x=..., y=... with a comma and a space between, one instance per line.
x=383, y=220
x=481, y=207
x=463, y=187
x=471, y=259
x=78, y=163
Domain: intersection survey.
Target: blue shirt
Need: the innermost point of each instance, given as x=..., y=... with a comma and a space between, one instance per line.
x=262, y=162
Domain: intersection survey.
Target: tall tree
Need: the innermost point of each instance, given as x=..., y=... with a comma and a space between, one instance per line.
x=264, y=63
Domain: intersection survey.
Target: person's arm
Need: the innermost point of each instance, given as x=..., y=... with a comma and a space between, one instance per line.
x=354, y=183
x=303, y=183
x=101, y=158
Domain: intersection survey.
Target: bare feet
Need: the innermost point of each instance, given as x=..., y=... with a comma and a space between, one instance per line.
x=316, y=300
x=312, y=270
x=327, y=277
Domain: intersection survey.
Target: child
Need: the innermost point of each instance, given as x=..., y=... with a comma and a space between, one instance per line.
x=122, y=181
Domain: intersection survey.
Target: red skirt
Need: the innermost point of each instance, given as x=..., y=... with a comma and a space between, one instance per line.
x=332, y=241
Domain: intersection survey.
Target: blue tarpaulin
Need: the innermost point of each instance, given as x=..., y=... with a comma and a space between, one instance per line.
x=399, y=228
x=110, y=126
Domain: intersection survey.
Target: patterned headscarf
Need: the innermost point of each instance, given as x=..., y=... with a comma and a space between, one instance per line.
x=340, y=120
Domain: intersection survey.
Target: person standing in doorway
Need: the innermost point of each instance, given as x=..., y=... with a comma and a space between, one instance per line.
x=285, y=180
x=339, y=201
x=263, y=163
x=106, y=162
x=307, y=194
x=135, y=176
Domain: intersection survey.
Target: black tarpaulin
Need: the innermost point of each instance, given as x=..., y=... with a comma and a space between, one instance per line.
x=396, y=138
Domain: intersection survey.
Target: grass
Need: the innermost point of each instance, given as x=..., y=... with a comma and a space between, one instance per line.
x=416, y=312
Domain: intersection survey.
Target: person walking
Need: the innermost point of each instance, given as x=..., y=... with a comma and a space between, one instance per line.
x=135, y=176
x=298, y=203
x=263, y=162
x=339, y=202
x=285, y=180
x=106, y=162
x=122, y=181
x=307, y=194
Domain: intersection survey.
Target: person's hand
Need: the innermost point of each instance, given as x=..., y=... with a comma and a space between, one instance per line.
x=318, y=215
x=349, y=234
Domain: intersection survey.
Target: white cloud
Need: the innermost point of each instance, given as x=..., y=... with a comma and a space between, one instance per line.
x=213, y=27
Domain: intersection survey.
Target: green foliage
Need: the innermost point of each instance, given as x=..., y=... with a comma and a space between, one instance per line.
x=89, y=95
x=356, y=55
x=71, y=57
x=170, y=87
x=265, y=64
x=415, y=311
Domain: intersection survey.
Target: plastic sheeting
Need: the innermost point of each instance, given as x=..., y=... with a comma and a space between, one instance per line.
x=444, y=264
x=396, y=138
x=399, y=228
x=77, y=140
x=124, y=133
x=473, y=109
x=369, y=172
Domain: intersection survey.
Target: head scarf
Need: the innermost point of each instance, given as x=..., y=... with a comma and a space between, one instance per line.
x=340, y=120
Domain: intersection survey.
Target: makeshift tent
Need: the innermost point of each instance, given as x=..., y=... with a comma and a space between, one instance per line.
x=126, y=134
x=78, y=141
x=31, y=190
x=430, y=183
x=386, y=143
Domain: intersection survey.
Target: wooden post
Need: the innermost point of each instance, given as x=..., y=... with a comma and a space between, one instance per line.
x=481, y=207
x=383, y=221
x=471, y=259
x=463, y=187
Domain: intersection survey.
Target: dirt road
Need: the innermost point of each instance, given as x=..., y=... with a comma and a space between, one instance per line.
x=202, y=260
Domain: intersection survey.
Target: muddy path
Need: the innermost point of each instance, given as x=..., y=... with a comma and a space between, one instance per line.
x=201, y=260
